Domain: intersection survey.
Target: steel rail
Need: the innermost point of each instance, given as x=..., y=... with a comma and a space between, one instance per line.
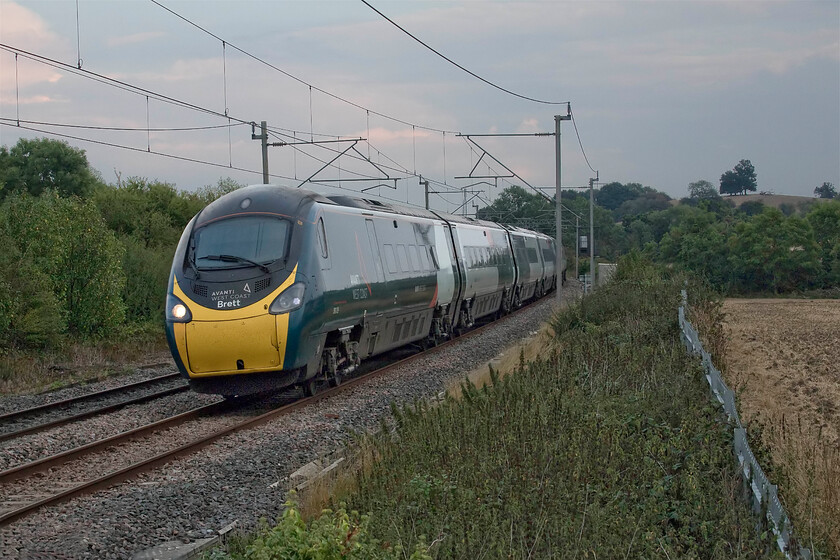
x=131, y=471
x=91, y=413
x=17, y=413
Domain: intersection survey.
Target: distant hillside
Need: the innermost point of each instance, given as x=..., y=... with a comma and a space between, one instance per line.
x=774, y=200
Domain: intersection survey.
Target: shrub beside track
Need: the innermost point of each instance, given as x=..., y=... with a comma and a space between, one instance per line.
x=606, y=447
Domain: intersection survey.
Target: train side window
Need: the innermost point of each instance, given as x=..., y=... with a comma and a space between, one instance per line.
x=402, y=256
x=322, y=238
x=532, y=255
x=415, y=258
x=433, y=255
x=390, y=258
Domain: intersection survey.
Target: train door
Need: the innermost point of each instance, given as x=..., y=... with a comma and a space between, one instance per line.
x=374, y=322
x=374, y=249
x=447, y=282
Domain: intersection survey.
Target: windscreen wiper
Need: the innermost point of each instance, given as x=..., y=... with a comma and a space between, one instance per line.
x=235, y=258
x=191, y=263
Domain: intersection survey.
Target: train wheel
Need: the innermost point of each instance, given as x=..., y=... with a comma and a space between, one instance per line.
x=335, y=379
x=310, y=387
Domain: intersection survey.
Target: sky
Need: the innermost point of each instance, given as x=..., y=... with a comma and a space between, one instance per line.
x=663, y=93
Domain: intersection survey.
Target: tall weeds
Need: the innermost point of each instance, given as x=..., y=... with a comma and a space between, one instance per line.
x=606, y=448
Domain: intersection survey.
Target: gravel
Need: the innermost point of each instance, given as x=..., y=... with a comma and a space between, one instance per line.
x=235, y=479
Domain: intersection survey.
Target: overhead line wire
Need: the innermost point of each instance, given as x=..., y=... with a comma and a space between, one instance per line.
x=117, y=83
x=449, y=60
x=581, y=143
x=292, y=76
x=126, y=129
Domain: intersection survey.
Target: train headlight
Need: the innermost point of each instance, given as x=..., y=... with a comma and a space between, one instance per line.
x=289, y=299
x=176, y=311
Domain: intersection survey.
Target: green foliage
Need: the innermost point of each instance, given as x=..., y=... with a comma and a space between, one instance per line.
x=516, y=206
x=332, y=536
x=740, y=180
x=771, y=252
x=750, y=250
x=702, y=189
x=826, y=190
x=152, y=213
x=35, y=166
x=30, y=315
x=610, y=239
x=647, y=202
x=612, y=195
x=825, y=221
x=66, y=240
x=207, y=194
x=751, y=208
x=608, y=447
x=146, y=272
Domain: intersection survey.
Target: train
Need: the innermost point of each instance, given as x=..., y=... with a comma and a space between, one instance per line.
x=273, y=287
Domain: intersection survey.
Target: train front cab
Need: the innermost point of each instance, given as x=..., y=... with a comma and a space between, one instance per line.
x=237, y=293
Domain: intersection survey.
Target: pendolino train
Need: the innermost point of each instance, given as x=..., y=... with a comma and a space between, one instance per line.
x=272, y=286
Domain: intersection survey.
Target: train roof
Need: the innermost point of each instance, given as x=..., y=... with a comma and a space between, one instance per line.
x=257, y=198
x=368, y=204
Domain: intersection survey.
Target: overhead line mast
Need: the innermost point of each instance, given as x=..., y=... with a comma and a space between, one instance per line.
x=558, y=203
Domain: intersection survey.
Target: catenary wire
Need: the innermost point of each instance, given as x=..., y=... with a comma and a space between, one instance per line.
x=292, y=76
x=125, y=129
x=450, y=61
x=581, y=143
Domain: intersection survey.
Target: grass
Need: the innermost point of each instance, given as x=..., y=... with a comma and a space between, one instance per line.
x=26, y=371
x=606, y=446
x=798, y=459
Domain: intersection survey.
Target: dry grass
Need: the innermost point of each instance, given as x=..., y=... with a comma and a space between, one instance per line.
x=781, y=357
x=35, y=372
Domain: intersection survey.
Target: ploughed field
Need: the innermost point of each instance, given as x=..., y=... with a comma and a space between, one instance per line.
x=784, y=357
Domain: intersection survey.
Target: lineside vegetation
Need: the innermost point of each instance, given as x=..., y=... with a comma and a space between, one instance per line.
x=608, y=446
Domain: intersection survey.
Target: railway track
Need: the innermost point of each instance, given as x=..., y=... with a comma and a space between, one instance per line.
x=38, y=418
x=27, y=488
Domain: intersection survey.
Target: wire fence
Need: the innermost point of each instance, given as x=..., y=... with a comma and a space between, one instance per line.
x=764, y=496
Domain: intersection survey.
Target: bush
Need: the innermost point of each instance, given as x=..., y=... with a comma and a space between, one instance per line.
x=67, y=241
x=147, y=273
x=333, y=535
x=30, y=316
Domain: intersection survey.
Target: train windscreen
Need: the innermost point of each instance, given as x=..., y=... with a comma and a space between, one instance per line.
x=236, y=242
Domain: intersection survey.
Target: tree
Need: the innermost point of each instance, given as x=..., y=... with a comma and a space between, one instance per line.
x=702, y=189
x=826, y=190
x=612, y=195
x=648, y=202
x=772, y=252
x=825, y=221
x=34, y=166
x=752, y=207
x=67, y=240
x=739, y=180
x=516, y=206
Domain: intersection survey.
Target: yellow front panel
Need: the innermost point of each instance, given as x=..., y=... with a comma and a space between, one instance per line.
x=216, y=346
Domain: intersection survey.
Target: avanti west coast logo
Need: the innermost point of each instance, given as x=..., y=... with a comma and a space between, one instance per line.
x=231, y=298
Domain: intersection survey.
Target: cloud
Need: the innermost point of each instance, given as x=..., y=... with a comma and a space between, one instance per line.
x=134, y=38
x=183, y=70
x=20, y=27
x=380, y=134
